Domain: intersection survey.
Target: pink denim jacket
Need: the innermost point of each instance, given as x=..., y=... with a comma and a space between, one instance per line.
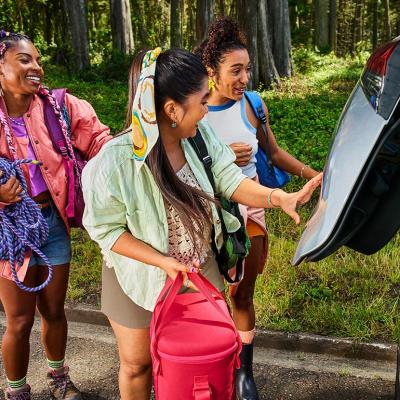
x=88, y=136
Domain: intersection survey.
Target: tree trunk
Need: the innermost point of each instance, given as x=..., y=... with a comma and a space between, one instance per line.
x=121, y=26
x=374, y=24
x=396, y=6
x=333, y=25
x=294, y=17
x=267, y=70
x=76, y=13
x=205, y=15
x=356, y=36
x=344, y=33
x=387, y=27
x=247, y=9
x=281, y=37
x=321, y=24
x=176, y=33
x=142, y=23
x=221, y=7
x=191, y=25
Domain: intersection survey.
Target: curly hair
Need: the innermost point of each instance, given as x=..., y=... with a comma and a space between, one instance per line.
x=9, y=39
x=223, y=37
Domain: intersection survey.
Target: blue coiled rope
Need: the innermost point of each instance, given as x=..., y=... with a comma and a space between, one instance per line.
x=22, y=226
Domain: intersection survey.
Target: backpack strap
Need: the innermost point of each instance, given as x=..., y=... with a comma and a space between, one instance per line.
x=200, y=148
x=256, y=105
x=52, y=123
x=60, y=143
x=59, y=95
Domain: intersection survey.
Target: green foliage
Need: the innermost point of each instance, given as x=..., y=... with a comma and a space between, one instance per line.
x=304, y=59
x=346, y=294
x=85, y=276
x=113, y=67
x=109, y=98
x=304, y=110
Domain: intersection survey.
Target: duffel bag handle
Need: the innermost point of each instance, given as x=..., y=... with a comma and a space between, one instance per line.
x=171, y=290
x=207, y=290
x=168, y=294
x=201, y=388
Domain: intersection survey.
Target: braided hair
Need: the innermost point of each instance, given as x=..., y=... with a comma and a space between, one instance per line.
x=7, y=41
x=223, y=37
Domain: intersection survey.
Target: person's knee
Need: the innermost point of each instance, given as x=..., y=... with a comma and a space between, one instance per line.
x=53, y=314
x=135, y=369
x=243, y=298
x=20, y=327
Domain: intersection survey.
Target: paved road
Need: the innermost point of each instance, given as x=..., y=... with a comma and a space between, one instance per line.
x=280, y=375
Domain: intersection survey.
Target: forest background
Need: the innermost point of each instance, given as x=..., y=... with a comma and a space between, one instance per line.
x=306, y=57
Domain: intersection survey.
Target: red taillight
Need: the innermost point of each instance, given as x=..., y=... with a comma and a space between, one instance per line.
x=374, y=75
x=378, y=61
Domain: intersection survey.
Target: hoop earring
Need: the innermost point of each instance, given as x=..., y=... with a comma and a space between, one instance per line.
x=211, y=84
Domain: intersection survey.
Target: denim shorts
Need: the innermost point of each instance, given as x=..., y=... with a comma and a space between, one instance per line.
x=57, y=247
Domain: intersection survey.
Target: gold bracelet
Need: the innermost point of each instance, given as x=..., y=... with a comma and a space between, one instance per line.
x=269, y=198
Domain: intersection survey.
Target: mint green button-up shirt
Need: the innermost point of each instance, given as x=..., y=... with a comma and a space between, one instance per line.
x=120, y=197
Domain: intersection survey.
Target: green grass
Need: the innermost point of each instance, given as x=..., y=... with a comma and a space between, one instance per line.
x=347, y=294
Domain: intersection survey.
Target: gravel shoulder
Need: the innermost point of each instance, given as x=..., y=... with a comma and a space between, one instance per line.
x=279, y=374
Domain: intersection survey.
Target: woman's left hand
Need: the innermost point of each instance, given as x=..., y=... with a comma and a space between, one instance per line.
x=288, y=202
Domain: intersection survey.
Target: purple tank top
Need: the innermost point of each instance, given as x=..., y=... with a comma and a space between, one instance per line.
x=38, y=184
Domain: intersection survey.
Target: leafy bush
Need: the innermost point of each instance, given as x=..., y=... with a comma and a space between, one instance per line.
x=304, y=60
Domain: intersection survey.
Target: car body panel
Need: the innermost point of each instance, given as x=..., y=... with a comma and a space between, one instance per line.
x=364, y=129
x=357, y=133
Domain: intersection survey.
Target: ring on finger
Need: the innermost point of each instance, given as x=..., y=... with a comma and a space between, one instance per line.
x=193, y=269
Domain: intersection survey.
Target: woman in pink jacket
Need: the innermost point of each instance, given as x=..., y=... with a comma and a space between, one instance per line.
x=24, y=134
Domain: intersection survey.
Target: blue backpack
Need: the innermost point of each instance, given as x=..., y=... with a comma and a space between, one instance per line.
x=269, y=175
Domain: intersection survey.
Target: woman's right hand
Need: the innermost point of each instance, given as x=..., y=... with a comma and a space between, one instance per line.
x=288, y=202
x=10, y=191
x=172, y=267
x=243, y=152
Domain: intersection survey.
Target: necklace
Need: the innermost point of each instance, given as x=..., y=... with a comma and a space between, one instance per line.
x=16, y=122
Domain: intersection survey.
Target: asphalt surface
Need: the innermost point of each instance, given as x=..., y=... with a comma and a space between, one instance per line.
x=280, y=375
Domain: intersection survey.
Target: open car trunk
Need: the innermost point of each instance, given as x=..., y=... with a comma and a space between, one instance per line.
x=359, y=204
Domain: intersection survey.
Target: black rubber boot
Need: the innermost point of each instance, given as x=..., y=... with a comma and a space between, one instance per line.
x=246, y=387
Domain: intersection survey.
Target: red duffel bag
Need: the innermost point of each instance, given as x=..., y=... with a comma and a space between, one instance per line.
x=195, y=346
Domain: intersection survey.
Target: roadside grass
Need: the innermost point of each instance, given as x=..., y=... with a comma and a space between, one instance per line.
x=347, y=294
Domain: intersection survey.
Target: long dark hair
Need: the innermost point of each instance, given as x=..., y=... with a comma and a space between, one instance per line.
x=178, y=74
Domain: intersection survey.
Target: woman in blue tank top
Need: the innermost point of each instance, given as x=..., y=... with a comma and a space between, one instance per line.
x=225, y=55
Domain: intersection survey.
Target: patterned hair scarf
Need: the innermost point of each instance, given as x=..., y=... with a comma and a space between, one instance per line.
x=144, y=122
